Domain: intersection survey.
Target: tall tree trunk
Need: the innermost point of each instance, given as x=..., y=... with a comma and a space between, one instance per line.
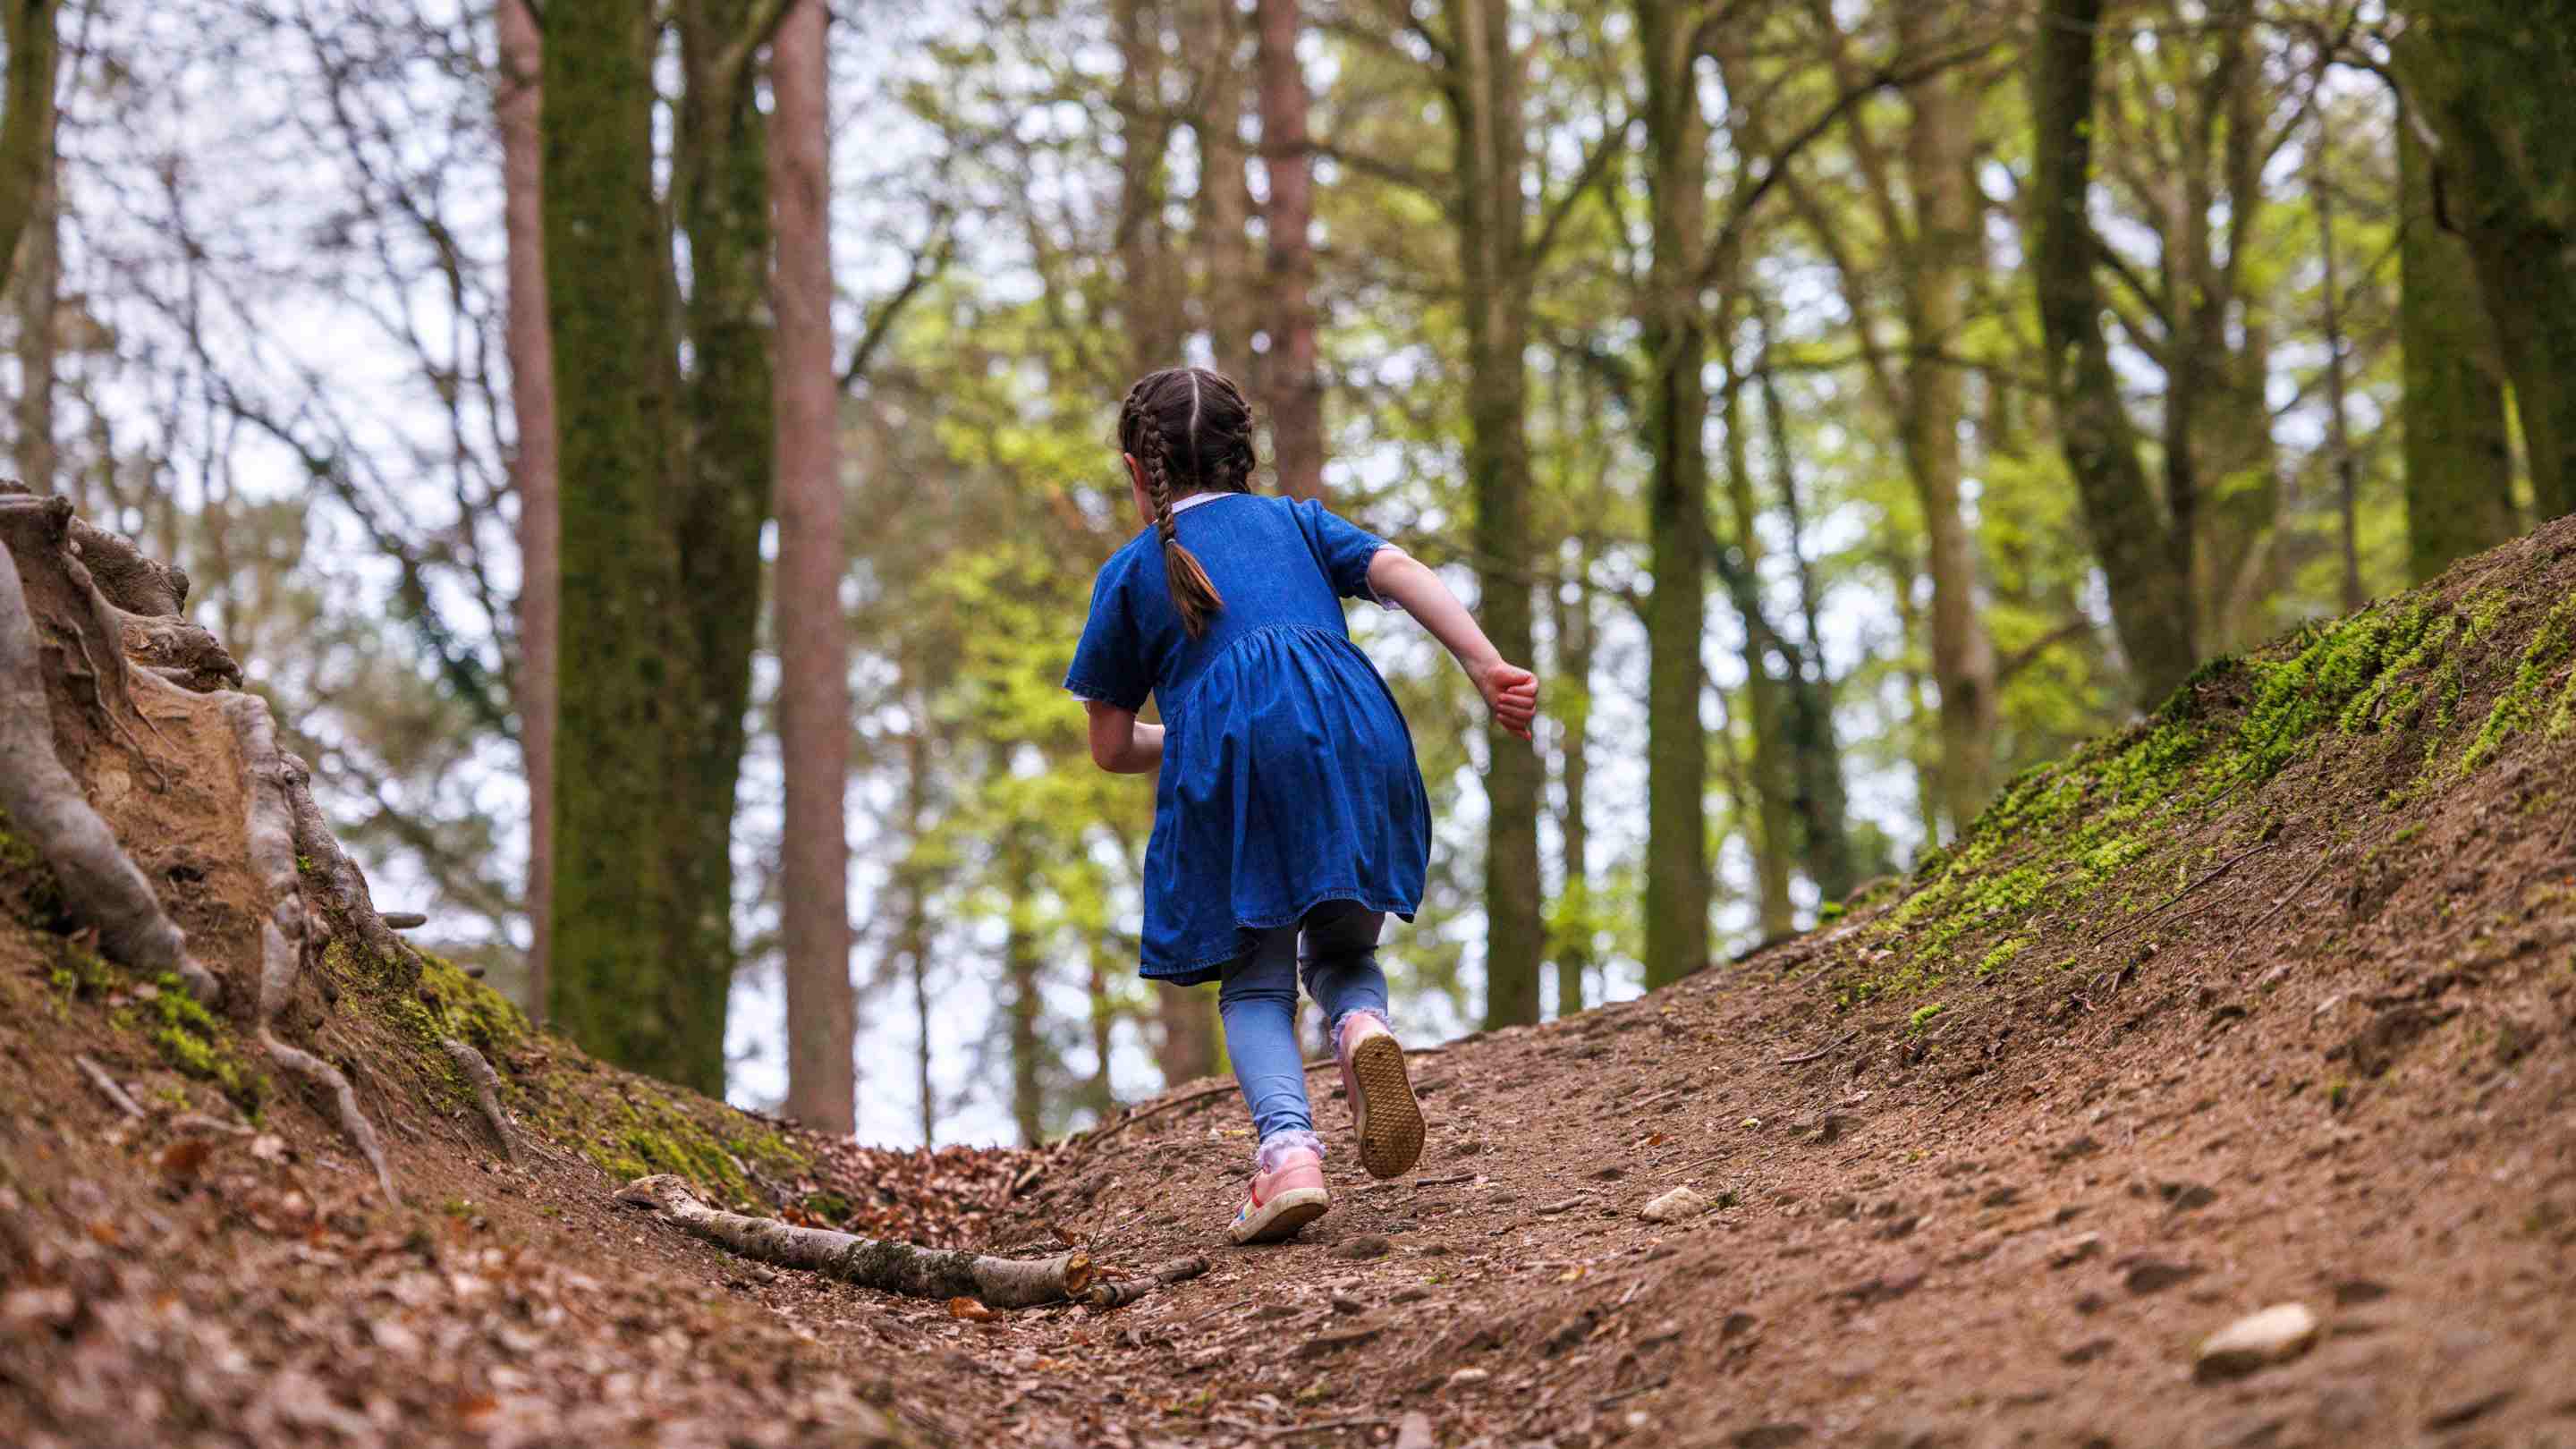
x=1775, y=845
x=1025, y=1004
x=1575, y=629
x=912, y=879
x=27, y=130
x=1484, y=93
x=720, y=177
x=2492, y=79
x=2459, y=451
x=614, y=985
x=813, y=643
x=1148, y=282
x=2146, y=560
x=1100, y=1094
x=1818, y=799
x=1292, y=373
x=39, y=277
x=1676, y=344
x=1231, y=308
x=530, y=345
x=2338, y=422
x=1186, y=1019
x=1938, y=269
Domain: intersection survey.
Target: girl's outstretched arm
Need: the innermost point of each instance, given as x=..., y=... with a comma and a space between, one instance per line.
x=1510, y=691
x=1119, y=744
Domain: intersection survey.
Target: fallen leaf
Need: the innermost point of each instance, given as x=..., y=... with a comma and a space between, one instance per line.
x=181, y=1161
x=971, y=1311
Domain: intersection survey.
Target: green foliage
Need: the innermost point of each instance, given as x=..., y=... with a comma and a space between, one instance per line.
x=2519, y=707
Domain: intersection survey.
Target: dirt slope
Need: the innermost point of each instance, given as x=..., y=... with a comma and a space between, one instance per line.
x=2272, y=999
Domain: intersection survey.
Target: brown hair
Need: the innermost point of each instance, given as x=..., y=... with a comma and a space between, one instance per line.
x=1191, y=431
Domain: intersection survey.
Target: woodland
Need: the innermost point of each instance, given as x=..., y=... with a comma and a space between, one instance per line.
x=547, y=545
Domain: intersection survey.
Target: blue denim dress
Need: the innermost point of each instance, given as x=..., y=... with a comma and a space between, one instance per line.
x=1288, y=775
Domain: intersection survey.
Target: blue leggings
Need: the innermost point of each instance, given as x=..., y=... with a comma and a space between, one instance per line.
x=1258, y=1001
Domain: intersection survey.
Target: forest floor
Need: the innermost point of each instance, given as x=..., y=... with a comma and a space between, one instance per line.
x=2271, y=999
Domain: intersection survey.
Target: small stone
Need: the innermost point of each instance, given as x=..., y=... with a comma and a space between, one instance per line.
x=1736, y=1326
x=1567, y=1206
x=2278, y=1334
x=1611, y=1173
x=2155, y=1275
x=1674, y=1206
x=2080, y=1248
x=1468, y=1378
x=1901, y=1227
x=2185, y=1197
x=1362, y=1249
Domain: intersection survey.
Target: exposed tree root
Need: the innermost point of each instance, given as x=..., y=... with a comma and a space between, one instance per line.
x=1126, y=1291
x=914, y=1272
x=487, y=1093
x=352, y=1121
x=99, y=882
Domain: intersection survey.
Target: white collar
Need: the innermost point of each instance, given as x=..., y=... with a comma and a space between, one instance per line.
x=1195, y=499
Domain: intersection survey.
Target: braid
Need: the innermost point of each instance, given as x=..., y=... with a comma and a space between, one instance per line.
x=1193, y=593
x=1217, y=422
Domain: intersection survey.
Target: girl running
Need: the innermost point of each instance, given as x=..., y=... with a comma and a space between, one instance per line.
x=1289, y=802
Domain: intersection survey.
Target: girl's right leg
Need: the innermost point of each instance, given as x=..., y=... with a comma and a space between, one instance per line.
x=1343, y=975
x=1257, y=1000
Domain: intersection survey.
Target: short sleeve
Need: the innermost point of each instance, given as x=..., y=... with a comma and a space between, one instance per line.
x=1109, y=664
x=1343, y=548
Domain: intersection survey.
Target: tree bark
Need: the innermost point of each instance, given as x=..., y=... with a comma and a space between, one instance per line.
x=1484, y=94
x=1776, y=833
x=530, y=345
x=1025, y=1003
x=2491, y=79
x=1676, y=345
x=1817, y=796
x=1292, y=371
x=2459, y=448
x=1231, y=299
x=2338, y=420
x=1148, y=283
x=813, y=643
x=1572, y=942
x=888, y=1267
x=1938, y=266
x=39, y=276
x=2146, y=560
x=27, y=130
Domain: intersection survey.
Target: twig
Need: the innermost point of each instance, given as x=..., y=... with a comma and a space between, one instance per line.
x=1452, y=1180
x=1120, y=1294
x=107, y=1087
x=2296, y=891
x=2135, y=921
x=1626, y=1394
x=1821, y=1052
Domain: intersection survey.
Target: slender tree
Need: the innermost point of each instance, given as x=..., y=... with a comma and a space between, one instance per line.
x=27, y=129
x=813, y=647
x=38, y=292
x=1292, y=370
x=529, y=343
x=2146, y=559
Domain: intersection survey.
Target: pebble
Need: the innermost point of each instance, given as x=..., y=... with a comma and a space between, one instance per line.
x=2155, y=1275
x=1674, y=1206
x=2276, y=1335
x=1364, y=1248
x=1468, y=1378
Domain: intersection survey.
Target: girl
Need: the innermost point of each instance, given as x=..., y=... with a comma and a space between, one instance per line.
x=1289, y=800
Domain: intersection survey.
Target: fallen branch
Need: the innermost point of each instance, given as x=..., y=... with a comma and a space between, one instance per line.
x=914, y=1272
x=1120, y=1294
x=107, y=1087
x=487, y=1093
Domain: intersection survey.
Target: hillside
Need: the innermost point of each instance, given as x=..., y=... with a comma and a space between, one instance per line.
x=2270, y=999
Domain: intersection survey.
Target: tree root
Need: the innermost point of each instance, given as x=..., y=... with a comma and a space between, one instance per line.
x=99, y=882
x=327, y=1077
x=890, y=1267
x=487, y=1093
x=1122, y=1293
x=116, y=1096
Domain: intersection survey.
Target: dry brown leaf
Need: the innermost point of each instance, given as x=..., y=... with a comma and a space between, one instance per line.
x=971, y=1311
x=181, y=1161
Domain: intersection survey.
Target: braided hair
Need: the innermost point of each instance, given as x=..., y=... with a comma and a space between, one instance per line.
x=1190, y=431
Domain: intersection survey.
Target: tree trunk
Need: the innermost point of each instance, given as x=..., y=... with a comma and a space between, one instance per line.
x=2490, y=81
x=1574, y=629
x=812, y=632
x=39, y=276
x=1817, y=798
x=2459, y=451
x=1775, y=844
x=1100, y=1093
x=1148, y=283
x=1292, y=373
x=1231, y=305
x=2338, y=422
x=911, y=877
x=1025, y=1004
x=2146, y=560
x=1485, y=109
x=1186, y=1018
x=530, y=345
x=1676, y=345
x=1938, y=267
x=615, y=985
x=27, y=131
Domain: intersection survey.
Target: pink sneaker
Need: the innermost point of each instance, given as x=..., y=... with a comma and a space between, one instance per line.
x=1387, y=1117
x=1283, y=1200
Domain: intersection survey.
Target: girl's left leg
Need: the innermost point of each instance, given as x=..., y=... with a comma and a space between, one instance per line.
x=1257, y=1000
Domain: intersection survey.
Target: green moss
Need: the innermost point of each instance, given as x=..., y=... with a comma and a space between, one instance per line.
x=1922, y=1016
x=194, y=1041
x=1996, y=959
x=632, y=1128
x=2296, y=698
x=831, y=1207
x=2519, y=708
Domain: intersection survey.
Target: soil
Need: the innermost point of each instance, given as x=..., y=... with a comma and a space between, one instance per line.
x=2270, y=1000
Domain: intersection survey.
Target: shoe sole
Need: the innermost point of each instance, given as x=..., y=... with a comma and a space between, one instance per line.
x=1283, y=1216
x=1390, y=1120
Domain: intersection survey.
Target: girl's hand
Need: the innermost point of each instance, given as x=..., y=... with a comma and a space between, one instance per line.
x=1511, y=692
